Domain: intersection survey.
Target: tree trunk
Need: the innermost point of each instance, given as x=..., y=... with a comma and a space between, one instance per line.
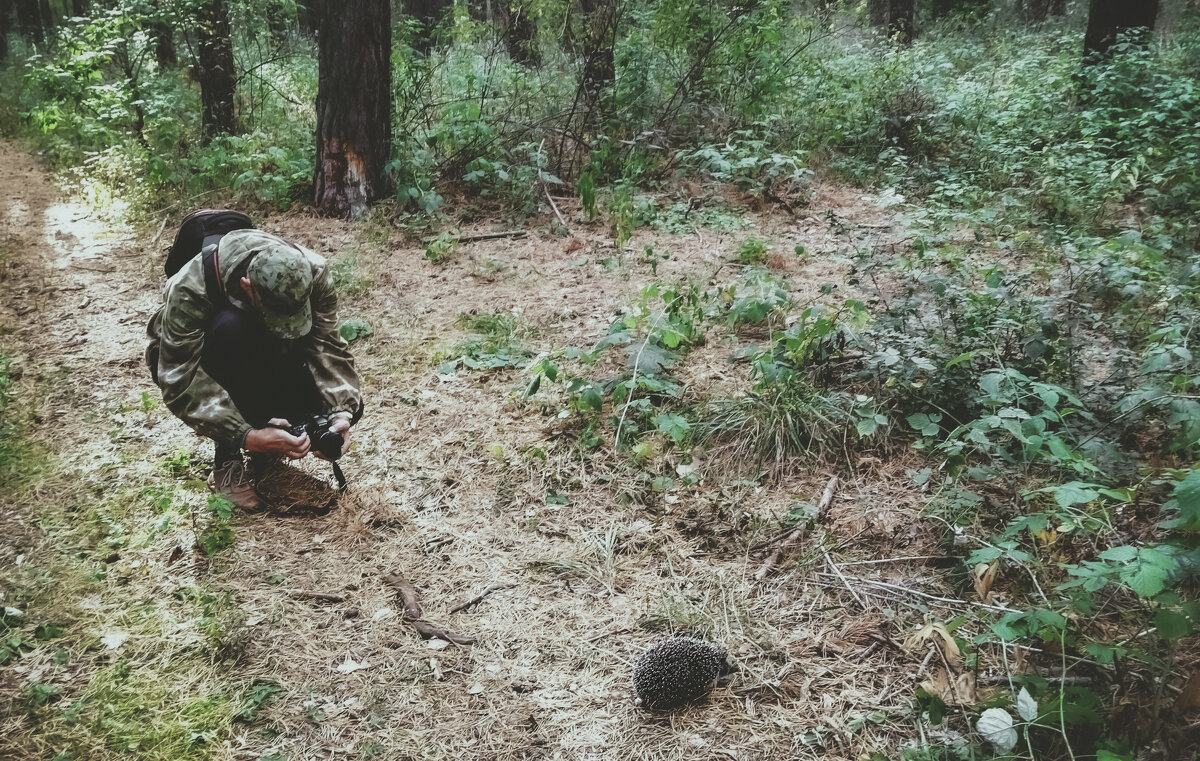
x=354, y=106
x=599, y=65
x=308, y=14
x=216, y=69
x=1108, y=18
x=900, y=20
x=29, y=21
x=428, y=15
x=48, y=20
x=164, y=38
x=5, y=27
x=79, y=7
x=521, y=33
x=877, y=12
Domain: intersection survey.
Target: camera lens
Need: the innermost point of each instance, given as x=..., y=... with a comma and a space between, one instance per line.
x=329, y=444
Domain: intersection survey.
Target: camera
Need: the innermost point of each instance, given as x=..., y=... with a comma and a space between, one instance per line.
x=325, y=441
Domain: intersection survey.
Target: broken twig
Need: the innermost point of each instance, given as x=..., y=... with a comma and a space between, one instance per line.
x=486, y=236
x=773, y=559
x=479, y=597
x=305, y=594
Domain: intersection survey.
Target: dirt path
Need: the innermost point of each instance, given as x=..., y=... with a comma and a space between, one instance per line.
x=289, y=643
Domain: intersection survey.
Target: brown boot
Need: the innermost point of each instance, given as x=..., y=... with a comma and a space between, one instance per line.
x=230, y=479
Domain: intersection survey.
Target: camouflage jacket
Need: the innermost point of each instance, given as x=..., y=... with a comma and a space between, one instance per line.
x=177, y=329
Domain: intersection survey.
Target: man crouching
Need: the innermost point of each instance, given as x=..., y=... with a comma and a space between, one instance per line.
x=246, y=340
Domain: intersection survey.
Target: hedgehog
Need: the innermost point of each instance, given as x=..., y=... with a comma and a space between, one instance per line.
x=677, y=671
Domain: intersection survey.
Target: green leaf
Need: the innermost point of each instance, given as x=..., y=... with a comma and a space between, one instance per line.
x=1073, y=493
x=1121, y=554
x=673, y=425
x=1187, y=496
x=1146, y=580
x=220, y=506
x=352, y=330
x=1171, y=625
x=866, y=427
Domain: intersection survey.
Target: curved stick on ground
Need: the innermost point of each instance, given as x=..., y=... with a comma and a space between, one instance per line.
x=822, y=508
x=413, y=614
x=479, y=597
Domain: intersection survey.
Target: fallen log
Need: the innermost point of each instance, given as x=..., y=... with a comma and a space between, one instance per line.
x=414, y=616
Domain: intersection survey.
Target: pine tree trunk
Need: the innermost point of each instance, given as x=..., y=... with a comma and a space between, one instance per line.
x=29, y=21
x=216, y=73
x=521, y=34
x=308, y=14
x=599, y=65
x=900, y=20
x=428, y=14
x=1108, y=18
x=48, y=20
x=5, y=27
x=877, y=12
x=354, y=106
x=164, y=38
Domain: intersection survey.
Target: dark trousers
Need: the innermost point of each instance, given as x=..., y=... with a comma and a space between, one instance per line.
x=264, y=376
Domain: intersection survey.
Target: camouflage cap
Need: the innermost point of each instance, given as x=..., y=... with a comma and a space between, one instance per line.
x=282, y=278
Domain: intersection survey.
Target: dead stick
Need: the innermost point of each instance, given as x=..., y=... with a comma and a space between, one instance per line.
x=555, y=207
x=948, y=600
x=485, y=236
x=413, y=615
x=826, y=499
x=408, y=595
x=838, y=571
x=798, y=534
x=479, y=597
x=304, y=594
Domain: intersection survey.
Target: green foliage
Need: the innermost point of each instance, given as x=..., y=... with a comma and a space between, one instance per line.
x=751, y=251
x=498, y=342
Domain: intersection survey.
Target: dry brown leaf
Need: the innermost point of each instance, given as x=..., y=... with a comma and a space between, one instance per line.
x=983, y=577
x=1189, y=697
x=956, y=690
x=939, y=634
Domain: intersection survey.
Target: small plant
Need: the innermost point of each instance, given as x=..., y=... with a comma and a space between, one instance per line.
x=441, y=248
x=752, y=251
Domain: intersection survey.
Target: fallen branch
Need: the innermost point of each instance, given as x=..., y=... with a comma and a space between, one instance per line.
x=486, y=236
x=773, y=559
x=479, y=597
x=935, y=598
x=555, y=207
x=413, y=616
x=304, y=594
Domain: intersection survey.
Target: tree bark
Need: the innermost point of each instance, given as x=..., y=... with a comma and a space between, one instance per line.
x=308, y=14
x=1108, y=18
x=354, y=106
x=877, y=11
x=5, y=27
x=80, y=7
x=428, y=15
x=164, y=38
x=520, y=33
x=599, y=64
x=216, y=73
x=29, y=21
x=900, y=20
x=49, y=22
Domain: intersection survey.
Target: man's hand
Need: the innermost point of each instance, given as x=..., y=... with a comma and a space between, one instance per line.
x=339, y=423
x=277, y=441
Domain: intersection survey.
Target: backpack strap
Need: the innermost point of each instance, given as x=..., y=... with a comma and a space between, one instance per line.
x=210, y=261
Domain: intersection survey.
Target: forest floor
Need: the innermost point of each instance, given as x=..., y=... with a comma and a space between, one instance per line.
x=290, y=643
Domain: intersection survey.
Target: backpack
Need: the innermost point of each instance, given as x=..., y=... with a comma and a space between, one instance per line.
x=199, y=230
